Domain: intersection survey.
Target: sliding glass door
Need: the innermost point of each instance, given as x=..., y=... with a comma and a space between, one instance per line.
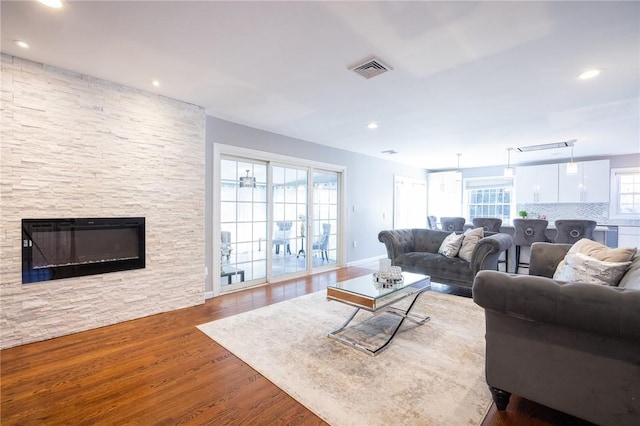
x=243, y=223
x=324, y=233
x=289, y=200
x=277, y=221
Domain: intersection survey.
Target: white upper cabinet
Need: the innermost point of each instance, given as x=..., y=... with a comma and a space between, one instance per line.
x=537, y=184
x=590, y=184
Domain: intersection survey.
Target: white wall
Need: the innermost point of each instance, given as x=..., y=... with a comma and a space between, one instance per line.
x=77, y=146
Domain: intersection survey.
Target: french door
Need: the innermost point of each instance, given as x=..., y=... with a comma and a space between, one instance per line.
x=277, y=221
x=243, y=222
x=289, y=219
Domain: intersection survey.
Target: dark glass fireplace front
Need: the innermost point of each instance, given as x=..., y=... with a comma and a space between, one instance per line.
x=63, y=248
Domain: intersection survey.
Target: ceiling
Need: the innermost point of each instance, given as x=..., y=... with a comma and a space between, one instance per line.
x=473, y=78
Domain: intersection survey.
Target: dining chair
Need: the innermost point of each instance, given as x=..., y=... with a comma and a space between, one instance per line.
x=323, y=242
x=281, y=236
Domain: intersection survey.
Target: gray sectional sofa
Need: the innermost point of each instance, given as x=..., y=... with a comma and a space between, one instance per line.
x=573, y=346
x=416, y=250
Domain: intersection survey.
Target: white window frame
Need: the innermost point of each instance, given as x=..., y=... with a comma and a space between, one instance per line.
x=489, y=183
x=614, y=194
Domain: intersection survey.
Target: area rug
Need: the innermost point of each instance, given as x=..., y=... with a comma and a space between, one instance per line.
x=432, y=374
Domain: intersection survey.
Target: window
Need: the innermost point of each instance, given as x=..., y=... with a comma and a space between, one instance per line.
x=625, y=192
x=489, y=197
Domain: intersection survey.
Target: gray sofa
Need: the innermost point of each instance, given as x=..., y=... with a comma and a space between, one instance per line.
x=416, y=250
x=574, y=347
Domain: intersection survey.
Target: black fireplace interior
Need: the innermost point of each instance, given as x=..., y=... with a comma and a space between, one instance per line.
x=63, y=248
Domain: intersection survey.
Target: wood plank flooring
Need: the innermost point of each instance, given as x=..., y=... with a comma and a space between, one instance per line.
x=161, y=370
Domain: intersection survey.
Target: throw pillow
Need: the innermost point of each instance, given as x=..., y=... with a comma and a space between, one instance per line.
x=471, y=238
x=451, y=245
x=601, y=252
x=587, y=269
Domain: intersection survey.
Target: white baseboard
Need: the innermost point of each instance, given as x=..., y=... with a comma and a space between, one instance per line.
x=365, y=261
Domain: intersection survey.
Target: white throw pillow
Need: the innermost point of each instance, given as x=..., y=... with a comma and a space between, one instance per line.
x=451, y=245
x=587, y=269
x=471, y=238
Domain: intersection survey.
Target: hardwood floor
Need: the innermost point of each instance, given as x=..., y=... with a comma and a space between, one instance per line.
x=161, y=370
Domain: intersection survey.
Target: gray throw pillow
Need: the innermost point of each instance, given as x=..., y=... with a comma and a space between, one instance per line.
x=579, y=267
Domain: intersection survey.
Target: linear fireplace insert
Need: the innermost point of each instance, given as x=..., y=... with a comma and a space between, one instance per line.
x=63, y=248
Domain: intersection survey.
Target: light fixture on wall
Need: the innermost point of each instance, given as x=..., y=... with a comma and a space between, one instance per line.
x=508, y=171
x=247, y=181
x=572, y=167
x=459, y=173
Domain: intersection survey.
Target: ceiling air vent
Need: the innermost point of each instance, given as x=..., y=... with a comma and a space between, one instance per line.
x=371, y=68
x=554, y=145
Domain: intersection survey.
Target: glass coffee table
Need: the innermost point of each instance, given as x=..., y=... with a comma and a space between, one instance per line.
x=363, y=293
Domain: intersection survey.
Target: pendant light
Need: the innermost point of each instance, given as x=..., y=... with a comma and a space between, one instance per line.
x=572, y=167
x=247, y=181
x=508, y=171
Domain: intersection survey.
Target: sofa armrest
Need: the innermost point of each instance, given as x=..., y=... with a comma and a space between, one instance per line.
x=593, y=308
x=545, y=258
x=488, y=250
x=397, y=241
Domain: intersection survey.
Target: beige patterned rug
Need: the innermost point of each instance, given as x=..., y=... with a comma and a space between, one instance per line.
x=431, y=374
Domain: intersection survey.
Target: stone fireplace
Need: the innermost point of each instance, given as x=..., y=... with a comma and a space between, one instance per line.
x=63, y=248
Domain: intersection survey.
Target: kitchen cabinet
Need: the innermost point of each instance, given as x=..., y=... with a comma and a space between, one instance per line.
x=590, y=184
x=629, y=236
x=537, y=184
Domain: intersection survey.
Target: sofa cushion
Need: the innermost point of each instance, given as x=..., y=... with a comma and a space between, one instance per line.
x=428, y=240
x=451, y=245
x=631, y=278
x=436, y=265
x=579, y=267
x=471, y=238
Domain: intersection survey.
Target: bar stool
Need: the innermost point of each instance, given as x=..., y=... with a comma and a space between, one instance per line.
x=571, y=231
x=527, y=232
x=432, y=221
x=452, y=224
x=492, y=224
x=489, y=224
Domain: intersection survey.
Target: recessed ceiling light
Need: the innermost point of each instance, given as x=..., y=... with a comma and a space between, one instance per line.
x=589, y=74
x=56, y=4
x=372, y=125
x=155, y=83
x=21, y=43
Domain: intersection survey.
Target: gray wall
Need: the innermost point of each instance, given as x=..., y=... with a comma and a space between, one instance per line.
x=369, y=183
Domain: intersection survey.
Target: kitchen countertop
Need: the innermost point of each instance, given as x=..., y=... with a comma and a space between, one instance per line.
x=620, y=222
x=602, y=228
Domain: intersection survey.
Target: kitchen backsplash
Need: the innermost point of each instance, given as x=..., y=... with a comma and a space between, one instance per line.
x=590, y=211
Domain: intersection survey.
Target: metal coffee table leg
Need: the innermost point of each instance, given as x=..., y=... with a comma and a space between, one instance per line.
x=404, y=314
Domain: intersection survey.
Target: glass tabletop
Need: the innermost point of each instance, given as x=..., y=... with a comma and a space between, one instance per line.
x=365, y=286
